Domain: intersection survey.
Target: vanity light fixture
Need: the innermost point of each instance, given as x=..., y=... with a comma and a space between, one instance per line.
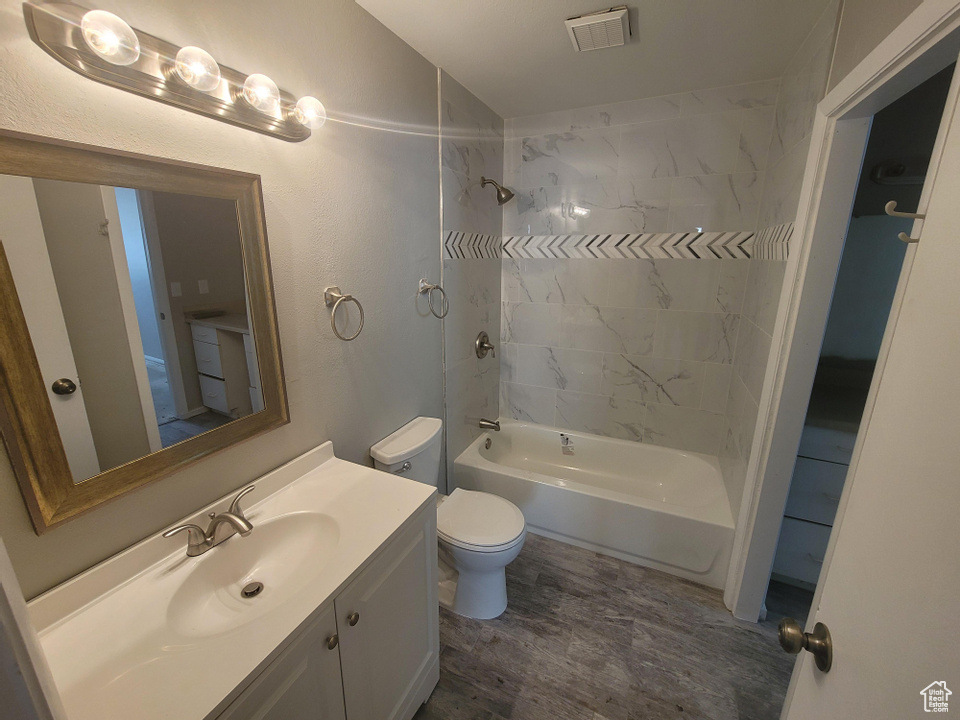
x=310, y=112
x=102, y=47
x=197, y=68
x=261, y=93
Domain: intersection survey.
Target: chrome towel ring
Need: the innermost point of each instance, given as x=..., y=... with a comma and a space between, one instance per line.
x=333, y=297
x=429, y=289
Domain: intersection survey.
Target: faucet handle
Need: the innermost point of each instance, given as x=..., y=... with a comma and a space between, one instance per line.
x=235, y=505
x=195, y=534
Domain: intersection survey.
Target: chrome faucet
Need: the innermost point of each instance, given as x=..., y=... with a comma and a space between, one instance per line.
x=198, y=541
x=490, y=424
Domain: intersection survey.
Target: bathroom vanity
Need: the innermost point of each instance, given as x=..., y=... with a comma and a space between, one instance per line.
x=345, y=625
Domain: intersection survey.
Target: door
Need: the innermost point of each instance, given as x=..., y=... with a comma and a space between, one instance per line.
x=304, y=682
x=21, y=233
x=889, y=594
x=388, y=619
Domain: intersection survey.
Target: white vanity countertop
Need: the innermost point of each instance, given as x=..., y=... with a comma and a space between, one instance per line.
x=114, y=646
x=230, y=322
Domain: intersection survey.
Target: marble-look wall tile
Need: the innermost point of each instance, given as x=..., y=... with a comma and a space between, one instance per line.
x=560, y=368
x=683, y=428
x=571, y=282
x=781, y=192
x=600, y=415
x=698, y=145
x=663, y=107
x=531, y=323
x=569, y=158
x=607, y=329
x=750, y=361
x=731, y=97
x=705, y=337
x=763, y=290
x=528, y=402
x=732, y=286
x=664, y=284
x=755, y=133
x=652, y=380
x=509, y=362
x=730, y=202
x=716, y=387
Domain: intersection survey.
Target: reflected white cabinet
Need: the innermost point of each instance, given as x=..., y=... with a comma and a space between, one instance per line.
x=386, y=660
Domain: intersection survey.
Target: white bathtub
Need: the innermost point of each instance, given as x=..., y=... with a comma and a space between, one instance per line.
x=654, y=506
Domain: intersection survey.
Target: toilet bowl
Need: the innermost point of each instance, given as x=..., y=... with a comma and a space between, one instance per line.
x=479, y=534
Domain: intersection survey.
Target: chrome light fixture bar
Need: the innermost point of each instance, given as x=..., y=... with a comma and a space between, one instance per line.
x=153, y=72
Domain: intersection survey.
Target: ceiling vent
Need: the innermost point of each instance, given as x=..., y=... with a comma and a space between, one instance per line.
x=601, y=29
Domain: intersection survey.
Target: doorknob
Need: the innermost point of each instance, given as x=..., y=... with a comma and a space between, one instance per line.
x=63, y=386
x=793, y=639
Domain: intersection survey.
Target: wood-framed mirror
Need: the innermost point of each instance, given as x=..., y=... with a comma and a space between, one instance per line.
x=138, y=329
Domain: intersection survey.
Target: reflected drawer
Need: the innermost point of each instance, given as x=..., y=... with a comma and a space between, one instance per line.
x=204, y=333
x=815, y=490
x=208, y=358
x=801, y=550
x=827, y=444
x=214, y=394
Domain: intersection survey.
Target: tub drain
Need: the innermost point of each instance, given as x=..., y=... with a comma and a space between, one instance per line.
x=252, y=589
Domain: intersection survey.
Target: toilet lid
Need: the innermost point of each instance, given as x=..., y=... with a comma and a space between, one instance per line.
x=479, y=518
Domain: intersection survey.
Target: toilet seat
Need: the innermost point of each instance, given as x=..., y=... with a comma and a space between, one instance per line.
x=479, y=521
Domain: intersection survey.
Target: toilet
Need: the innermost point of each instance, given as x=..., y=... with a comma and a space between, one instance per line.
x=479, y=534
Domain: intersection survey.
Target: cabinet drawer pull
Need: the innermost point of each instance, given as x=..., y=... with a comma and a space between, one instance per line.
x=831, y=497
x=332, y=642
x=814, y=559
x=353, y=619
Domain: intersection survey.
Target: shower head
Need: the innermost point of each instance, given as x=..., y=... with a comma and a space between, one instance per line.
x=504, y=195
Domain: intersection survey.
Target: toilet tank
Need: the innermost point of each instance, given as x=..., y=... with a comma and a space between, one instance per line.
x=416, y=443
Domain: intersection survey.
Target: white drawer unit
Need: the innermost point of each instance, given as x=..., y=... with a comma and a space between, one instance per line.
x=204, y=333
x=223, y=367
x=802, y=548
x=815, y=490
x=208, y=359
x=214, y=391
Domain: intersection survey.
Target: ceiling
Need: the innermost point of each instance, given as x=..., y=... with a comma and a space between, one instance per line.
x=516, y=56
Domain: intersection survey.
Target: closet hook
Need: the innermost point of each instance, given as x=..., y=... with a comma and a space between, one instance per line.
x=891, y=210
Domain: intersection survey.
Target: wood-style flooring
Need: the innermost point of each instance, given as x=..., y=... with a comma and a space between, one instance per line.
x=588, y=636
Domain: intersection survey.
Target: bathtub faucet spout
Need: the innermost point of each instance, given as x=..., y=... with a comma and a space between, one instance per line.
x=490, y=424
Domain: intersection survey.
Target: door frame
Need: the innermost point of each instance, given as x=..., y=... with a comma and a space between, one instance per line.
x=161, y=302
x=922, y=45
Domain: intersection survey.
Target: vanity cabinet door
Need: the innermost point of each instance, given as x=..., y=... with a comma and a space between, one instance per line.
x=388, y=619
x=303, y=683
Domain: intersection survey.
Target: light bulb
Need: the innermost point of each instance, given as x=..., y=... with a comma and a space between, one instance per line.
x=197, y=68
x=310, y=112
x=262, y=93
x=110, y=37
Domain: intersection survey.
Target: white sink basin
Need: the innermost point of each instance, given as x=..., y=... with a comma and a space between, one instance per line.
x=285, y=554
x=152, y=634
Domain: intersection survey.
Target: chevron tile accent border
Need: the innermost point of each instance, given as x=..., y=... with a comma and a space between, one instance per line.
x=771, y=243
x=653, y=246
x=464, y=246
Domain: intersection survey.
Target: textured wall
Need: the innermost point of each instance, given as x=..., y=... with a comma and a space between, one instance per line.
x=471, y=147
x=634, y=348
x=351, y=206
x=802, y=88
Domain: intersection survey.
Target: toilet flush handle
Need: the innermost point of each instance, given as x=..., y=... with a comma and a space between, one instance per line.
x=403, y=468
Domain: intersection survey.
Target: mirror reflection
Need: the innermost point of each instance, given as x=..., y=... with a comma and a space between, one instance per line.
x=137, y=307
